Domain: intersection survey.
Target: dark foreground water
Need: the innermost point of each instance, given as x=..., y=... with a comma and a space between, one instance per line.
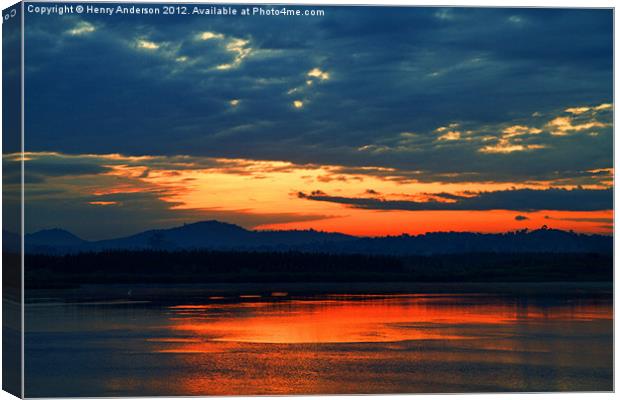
x=279, y=343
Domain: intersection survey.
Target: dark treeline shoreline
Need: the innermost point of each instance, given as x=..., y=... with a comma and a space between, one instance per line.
x=206, y=266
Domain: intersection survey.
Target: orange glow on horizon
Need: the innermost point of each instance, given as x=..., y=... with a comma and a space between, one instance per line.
x=263, y=187
x=384, y=223
x=265, y=195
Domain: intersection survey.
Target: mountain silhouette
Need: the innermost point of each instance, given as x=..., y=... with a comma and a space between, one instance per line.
x=53, y=237
x=215, y=235
x=199, y=234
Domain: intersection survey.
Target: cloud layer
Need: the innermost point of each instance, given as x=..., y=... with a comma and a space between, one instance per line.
x=472, y=93
x=137, y=121
x=515, y=200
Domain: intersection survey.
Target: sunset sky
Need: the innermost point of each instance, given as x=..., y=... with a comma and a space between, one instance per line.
x=368, y=121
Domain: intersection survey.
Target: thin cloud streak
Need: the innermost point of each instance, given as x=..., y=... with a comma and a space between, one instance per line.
x=516, y=200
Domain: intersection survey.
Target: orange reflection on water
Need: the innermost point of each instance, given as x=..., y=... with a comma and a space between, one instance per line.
x=356, y=320
x=423, y=343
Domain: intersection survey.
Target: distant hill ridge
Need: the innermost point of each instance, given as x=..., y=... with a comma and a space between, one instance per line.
x=224, y=236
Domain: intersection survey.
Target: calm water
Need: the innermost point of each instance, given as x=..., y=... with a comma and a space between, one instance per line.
x=282, y=344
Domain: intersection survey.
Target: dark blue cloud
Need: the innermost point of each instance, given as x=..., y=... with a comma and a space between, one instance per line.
x=392, y=70
x=516, y=199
